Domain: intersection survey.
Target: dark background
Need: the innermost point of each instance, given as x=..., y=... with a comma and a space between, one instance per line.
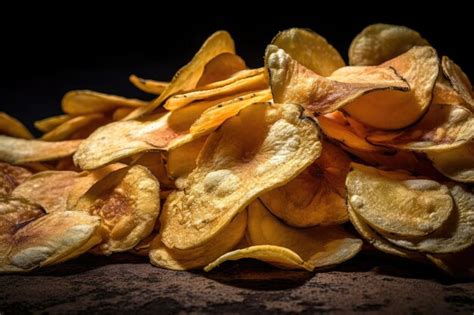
x=45, y=54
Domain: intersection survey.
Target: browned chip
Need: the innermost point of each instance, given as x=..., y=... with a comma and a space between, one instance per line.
x=10, y=177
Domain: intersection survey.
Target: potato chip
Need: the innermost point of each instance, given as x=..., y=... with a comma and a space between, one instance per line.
x=394, y=202
x=48, y=124
x=12, y=127
x=198, y=257
x=10, y=177
x=64, y=130
x=83, y=102
x=188, y=76
x=21, y=151
x=121, y=113
x=444, y=93
x=182, y=160
x=459, y=265
x=443, y=127
x=378, y=43
x=260, y=149
x=454, y=236
x=319, y=247
x=155, y=163
x=317, y=196
x=252, y=80
x=148, y=86
x=128, y=202
x=457, y=163
x=309, y=49
x=221, y=67
x=459, y=80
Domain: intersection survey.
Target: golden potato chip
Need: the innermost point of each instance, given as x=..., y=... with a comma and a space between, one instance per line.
x=10, y=177
x=188, y=76
x=83, y=102
x=394, y=202
x=21, y=151
x=378, y=43
x=252, y=80
x=309, y=49
x=317, y=196
x=444, y=93
x=12, y=127
x=148, y=86
x=64, y=130
x=48, y=124
x=121, y=113
x=319, y=247
x=198, y=257
x=128, y=202
x=459, y=80
x=453, y=236
x=278, y=256
x=457, y=163
x=260, y=149
x=182, y=160
x=459, y=265
x=221, y=67
x=155, y=163
x=443, y=127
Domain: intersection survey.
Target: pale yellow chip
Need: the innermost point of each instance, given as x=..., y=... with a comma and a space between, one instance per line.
x=48, y=124
x=220, y=68
x=262, y=148
x=21, y=151
x=148, y=86
x=309, y=49
x=394, y=202
x=457, y=163
x=459, y=80
x=66, y=129
x=188, y=76
x=182, y=160
x=378, y=43
x=319, y=247
x=12, y=127
x=128, y=201
x=10, y=177
x=317, y=196
x=199, y=257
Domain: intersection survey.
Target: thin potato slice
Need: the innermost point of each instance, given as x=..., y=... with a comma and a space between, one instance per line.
x=220, y=68
x=291, y=82
x=443, y=93
x=454, y=236
x=10, y=177
x=457, y=163
x=260, y=149
x=121, y=113
x=317, y=196
x=397, y=203
x=83, y=102
x=378, y=43
x=128, y=202
x=277, y=256
x=319, y=247
x=64, y=130
x=155, y=163
x=444, y=127
x=199, y=257
x=309, y=49
x=188, y=76
x=459, y=80
x=12, y=127
x=459, y=265
x=148, y=86
x=21, y=151
x=48, y=124
x=182, y=160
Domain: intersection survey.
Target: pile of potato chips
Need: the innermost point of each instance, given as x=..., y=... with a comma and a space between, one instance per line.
x=275, y=163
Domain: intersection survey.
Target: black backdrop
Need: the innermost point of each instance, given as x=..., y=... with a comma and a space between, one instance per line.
x=45, y=55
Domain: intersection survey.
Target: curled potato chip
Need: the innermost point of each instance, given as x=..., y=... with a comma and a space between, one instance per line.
x=21, y=151
x=64, y=130
x=83, y=102
x=221, y=67
x=457, y=163
x=459, y=265
x=198, y=257
x=148, y=86
x=188, y=76
x=317, y=196
x=12, y=127
x=11, y=176
x=244, y=81
x=319, y=247
x=309, y=49
x=260, y=149
x=443, y=93
x=378, y=43
x=453, y=236
x=394, y=202
x=459, y=80
x=293, y=83
x=182, y=160
x=155, y=163
x=128, y=202
x=443, y=127
x=48, y=124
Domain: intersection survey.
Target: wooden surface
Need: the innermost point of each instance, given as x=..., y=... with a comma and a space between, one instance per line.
x=124, y=283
